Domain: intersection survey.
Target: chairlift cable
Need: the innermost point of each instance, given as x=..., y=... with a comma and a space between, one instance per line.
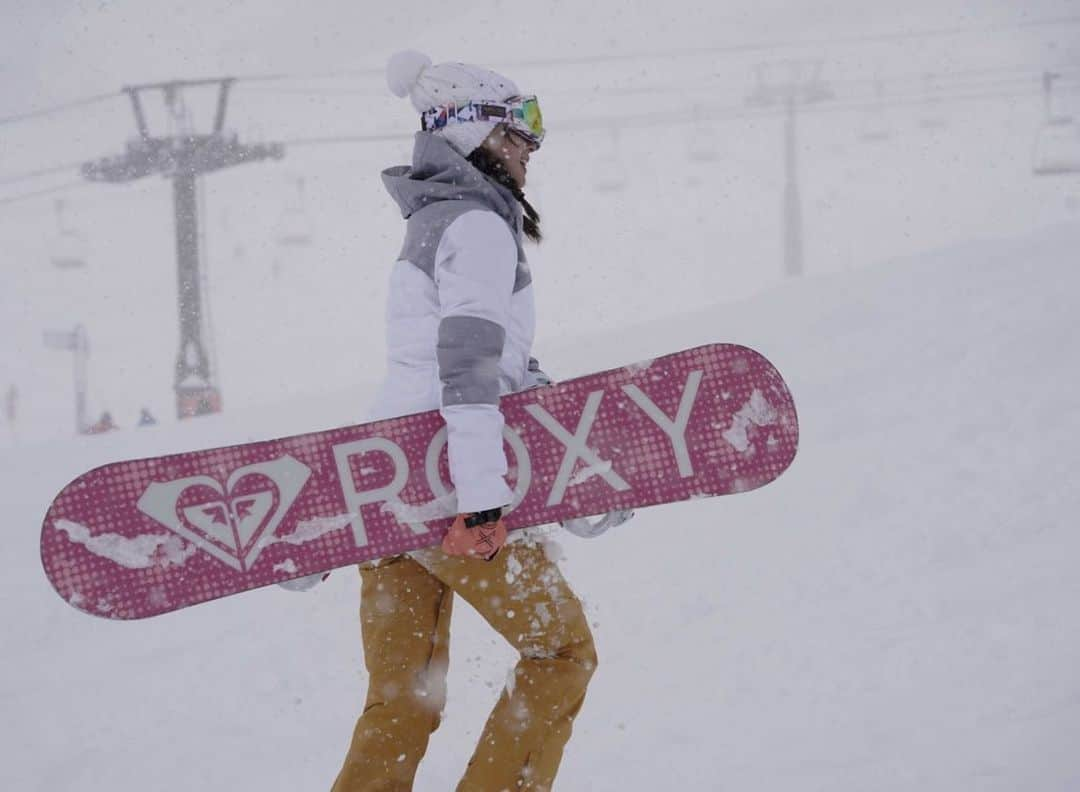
x=655, y=118
x=71, y=167
x=38, y=193
x=601, y=58
x=704, y=115
x=710, y=50
x=60, y=108
x=793, y=43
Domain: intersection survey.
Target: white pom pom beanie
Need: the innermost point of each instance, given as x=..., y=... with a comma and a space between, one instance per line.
x=429, y=85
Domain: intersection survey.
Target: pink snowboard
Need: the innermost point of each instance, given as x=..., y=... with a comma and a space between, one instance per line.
x=143, y=537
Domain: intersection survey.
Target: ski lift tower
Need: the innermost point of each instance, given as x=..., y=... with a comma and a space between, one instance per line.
x=800, y=84
x=76, y=342
x=184, y=156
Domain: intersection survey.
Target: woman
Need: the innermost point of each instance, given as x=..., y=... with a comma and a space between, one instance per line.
x=460, y=324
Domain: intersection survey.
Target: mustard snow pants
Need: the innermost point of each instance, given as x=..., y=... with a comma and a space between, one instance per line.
x=405, y=622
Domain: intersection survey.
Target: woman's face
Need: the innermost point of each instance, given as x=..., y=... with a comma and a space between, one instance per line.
x=512, y=150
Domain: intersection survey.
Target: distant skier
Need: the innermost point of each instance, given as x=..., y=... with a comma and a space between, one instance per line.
x=11, y=405
x=146, y=418
x=104, y=424
x=460, y=326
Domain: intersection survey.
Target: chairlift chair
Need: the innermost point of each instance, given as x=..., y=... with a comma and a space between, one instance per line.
x=933, y=113
x=875, y=123
x=932, y=121
x=875, y=128
x=933, y=118
x=294, y=227
x=702, y=144
x=610, y=175
x=1057, y=148
x=69, y=246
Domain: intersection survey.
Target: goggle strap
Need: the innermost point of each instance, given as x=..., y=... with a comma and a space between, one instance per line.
x=439, y=117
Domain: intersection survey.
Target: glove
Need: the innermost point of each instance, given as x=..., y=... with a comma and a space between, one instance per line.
x=580, y=526
x=305, y=583
x=478, y=535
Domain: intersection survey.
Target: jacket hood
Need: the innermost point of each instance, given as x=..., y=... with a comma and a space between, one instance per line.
x=440, y=173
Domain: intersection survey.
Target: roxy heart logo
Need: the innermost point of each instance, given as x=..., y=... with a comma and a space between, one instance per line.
x=239, y=524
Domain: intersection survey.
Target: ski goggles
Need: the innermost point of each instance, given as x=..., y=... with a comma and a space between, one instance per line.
x=522, y=115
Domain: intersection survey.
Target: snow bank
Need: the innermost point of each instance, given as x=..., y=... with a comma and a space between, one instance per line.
x=896, y=612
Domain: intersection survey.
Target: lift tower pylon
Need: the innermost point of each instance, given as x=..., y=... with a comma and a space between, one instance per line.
x=184, y=156
x=801, y=85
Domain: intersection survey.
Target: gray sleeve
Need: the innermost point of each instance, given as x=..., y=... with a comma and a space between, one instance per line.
x=469, y=351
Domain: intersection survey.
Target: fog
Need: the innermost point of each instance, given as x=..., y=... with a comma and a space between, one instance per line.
x=661, y=184
x=883, y=199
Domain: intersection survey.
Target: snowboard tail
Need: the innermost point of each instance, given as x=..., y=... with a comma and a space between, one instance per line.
x=142, y=537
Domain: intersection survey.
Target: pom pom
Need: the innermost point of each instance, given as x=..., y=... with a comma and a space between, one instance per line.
x=404, y=69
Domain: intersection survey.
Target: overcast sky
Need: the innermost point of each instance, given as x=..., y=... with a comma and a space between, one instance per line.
x=53, y=51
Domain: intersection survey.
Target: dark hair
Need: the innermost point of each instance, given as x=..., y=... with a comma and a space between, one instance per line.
x=485, y=162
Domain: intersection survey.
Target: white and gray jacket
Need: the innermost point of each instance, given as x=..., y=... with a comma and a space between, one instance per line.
x=460, y=317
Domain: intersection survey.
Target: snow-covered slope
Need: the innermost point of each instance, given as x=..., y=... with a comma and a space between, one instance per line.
x=897, y=612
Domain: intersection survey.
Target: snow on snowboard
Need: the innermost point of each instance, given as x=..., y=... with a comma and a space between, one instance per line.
x=138, y=538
